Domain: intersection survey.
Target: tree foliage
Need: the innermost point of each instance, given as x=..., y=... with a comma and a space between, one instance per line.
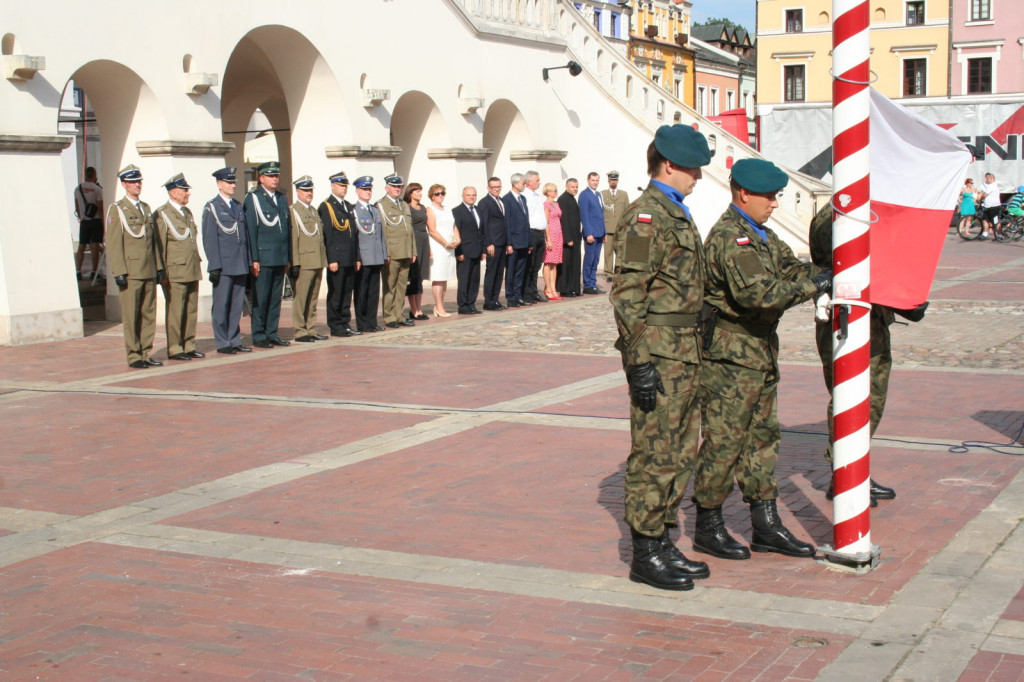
x=729, y=23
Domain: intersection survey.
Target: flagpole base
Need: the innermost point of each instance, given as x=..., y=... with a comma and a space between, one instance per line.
x=858, y=563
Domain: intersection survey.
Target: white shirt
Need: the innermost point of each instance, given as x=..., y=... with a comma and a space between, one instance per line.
x=535, y=207
x=991, y=190
x=93, y=195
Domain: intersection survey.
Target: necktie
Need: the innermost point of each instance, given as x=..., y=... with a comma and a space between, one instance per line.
x=522, y=201
x=472, y=209
x=501, y=205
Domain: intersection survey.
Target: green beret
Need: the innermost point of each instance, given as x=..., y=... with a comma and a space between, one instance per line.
x=682, y=145
x=759, y=176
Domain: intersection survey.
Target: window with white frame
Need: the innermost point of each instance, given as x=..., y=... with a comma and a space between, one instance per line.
x=915, y=13
x=713, y=103
x=730, y=100
x=794, y=78
x=915, y=77
x=981, y=10
x=979, y=76
x=794, y=21
x=702, y=100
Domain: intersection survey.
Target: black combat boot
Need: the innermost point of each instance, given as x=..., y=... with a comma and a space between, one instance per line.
x=651, y=565
x=695, y=569
x=880, y=492
x=831, y=492
x=712, y=537
x=770, y=535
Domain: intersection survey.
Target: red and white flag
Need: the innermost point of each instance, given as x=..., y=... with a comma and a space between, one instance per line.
x=917, y=171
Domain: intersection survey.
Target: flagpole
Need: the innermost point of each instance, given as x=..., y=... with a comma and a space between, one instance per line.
x=851, y=109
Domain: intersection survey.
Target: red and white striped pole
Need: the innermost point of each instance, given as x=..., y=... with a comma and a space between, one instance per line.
x=851, y=369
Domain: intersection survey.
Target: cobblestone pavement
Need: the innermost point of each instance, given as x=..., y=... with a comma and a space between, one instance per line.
x=445, y=503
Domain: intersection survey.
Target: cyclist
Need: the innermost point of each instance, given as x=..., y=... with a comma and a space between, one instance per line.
x=1014, y=206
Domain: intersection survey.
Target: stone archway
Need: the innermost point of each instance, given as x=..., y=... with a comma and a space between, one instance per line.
x=276, y=70
x=505, y=130
x=417, y=126
x=127, y=111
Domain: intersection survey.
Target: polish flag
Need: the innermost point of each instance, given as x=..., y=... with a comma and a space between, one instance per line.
x=917, y=171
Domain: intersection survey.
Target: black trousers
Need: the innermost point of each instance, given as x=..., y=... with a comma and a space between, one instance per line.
x=266, y=302
x=515, y=273
x=536, y=262
x=367, y=296
x=494, y=275
x=341, y=285
x=570, y=270
x=468, y=272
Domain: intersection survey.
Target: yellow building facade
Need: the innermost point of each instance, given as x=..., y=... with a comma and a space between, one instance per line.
x=659, y=45
x=909, y=49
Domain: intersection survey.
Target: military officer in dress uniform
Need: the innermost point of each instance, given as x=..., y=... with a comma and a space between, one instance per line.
x=228, y=262
x=309, y=258
x=401, y=242
x=178, y=241
x=753, y=277
x=136, y=265
x=657, y=295
x=268, y=227
x=614, y=202
x=343, y=261
x=373, y=253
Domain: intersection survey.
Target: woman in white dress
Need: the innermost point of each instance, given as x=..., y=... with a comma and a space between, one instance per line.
x=444, y=237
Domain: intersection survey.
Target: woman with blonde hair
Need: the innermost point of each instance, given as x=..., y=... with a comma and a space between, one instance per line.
x=553, y=242
x=444, y=237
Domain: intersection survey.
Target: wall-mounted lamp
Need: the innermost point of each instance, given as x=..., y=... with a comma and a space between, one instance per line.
x=574, y=69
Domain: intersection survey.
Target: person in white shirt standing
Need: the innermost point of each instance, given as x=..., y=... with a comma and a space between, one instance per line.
x=538, y=230
x=89, y=209
x=990, y=204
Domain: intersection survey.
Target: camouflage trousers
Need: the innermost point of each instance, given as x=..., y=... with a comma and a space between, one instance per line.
x=664, y=447
x=741, y=434
x=881, y=366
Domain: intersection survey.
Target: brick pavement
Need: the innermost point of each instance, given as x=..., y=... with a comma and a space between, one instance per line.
x=444, y=502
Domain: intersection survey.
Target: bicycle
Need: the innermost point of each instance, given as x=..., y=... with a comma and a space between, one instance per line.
x=971, y=229
x=1010, y=228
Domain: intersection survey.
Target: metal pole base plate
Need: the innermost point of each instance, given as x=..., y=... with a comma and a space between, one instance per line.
x=858, y=564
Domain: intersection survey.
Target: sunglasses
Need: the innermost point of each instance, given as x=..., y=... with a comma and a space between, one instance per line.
x=440, y=194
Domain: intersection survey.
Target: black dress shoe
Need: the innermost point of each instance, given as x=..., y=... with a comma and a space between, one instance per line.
x=490, y=306
x=525, y=302
x=227, y=350
x=501, y=306
x=540, y=298
x=465, y=311
x=353, y=332
x=651, y=565
x=880, y=492
x=243, y=349
x=421, y=317
x=320, y=337
x=696, y=570
x=407, y=323
x=769, y=535
x=196, y=354
x=139, y=364
x=391, y=325
x=378, y=328
x=712, y=537
x=304, y=339
x=476, y=311
x=341, y=332
x=593, y=290
x=263, y=344
x=513, y=304
x=180, y=356
x=279, y=342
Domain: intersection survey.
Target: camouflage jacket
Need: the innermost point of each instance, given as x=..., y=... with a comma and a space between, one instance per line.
x=659, y=270
x=820, y=240
x=752, y=283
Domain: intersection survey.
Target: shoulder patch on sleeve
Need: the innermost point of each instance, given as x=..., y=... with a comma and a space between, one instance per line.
x=742, y=241
x=638, y=248
x=643, y=217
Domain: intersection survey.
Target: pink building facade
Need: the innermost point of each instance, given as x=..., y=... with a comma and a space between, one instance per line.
x=988, y=48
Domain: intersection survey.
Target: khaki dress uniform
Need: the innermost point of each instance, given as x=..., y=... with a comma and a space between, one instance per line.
x=180, y=248
x=614, y=205
x=309, y=253
x=657, y=294
x=132, y=251
x=401, y=244
x=751, y=282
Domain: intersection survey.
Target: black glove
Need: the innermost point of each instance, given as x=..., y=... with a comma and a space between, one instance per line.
x=294, y=272
x=914, y=314
x=644, y=386
x=160, y=276
x=121, y=281
x=823, y=280
x=215, y=276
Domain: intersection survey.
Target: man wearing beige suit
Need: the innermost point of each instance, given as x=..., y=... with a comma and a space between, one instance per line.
x=401, y=245
x=177, y=237
x=135, y=264
x=614, y=201
x=309, y=258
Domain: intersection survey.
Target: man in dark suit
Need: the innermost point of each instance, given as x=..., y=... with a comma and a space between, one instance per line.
x=592, y=217
x=495, y=238
x=469, y=252
x=268, y=227
x=569, y=270
x=343, y=262
x=228, y=262
x=517, y=221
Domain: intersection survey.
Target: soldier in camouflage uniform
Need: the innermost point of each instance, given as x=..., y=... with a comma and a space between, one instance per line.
x=881, y=317
x=657, y=293
x=752, y=278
